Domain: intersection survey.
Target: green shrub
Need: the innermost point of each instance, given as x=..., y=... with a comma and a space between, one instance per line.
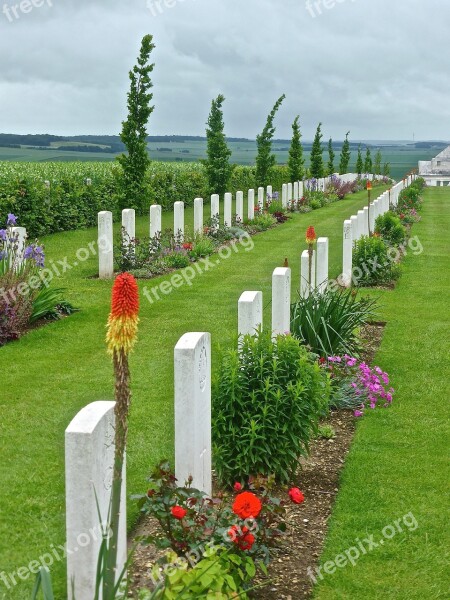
x=390, y=228
x=202, y=248
x=326, y=432
x=69, y=203
x=267, y=399
x=328, y=323
x=177, y=260
x=262, y=222
x=315, y=204
x=372, y=262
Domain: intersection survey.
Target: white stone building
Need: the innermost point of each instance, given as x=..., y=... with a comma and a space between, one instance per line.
x=436, y=172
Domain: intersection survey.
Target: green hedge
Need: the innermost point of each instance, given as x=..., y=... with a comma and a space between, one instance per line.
x=69, y=203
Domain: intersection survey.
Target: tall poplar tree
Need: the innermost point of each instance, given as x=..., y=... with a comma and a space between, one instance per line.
x=345, y=156
x=265, y=160
x=218, y=167
x=316, y=166
x=296, y=162
x=134, y=130
x=331, y=157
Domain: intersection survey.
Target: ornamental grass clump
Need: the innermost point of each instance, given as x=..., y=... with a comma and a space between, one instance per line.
x=329, y=322
x=267, y=399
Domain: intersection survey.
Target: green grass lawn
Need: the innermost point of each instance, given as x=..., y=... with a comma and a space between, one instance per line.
x=399, y=462
x=53, y=372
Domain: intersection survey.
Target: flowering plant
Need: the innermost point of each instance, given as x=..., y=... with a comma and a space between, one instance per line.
x=24, y=293
x=249, y=521
x=357, y=385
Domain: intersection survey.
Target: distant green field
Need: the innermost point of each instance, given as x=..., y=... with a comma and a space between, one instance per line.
x=401, y=158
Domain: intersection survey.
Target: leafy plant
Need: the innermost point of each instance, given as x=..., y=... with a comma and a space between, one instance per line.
x=372, y=263
x=217, y=164
x=262, y=222
x=267, y=398
x=390, y=228
x=134, y=128
x=49, y=304
x=265, y=160
x=219, y=575
x=326, y=432
x=328, y=322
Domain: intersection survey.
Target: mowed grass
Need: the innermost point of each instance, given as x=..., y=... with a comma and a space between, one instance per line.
x=399, y=462
x=53, y=372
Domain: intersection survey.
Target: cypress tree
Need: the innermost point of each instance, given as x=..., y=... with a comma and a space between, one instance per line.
x=296, y=161
x=217, y=164
x=359, y=162
x=345, y=156
x=316, y=167
x=265, y=160
x=331, y=156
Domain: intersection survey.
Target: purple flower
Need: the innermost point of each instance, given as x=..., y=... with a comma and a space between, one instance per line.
x=3, y=235
x=12, y=220
x=358, y=413
x=28, y=253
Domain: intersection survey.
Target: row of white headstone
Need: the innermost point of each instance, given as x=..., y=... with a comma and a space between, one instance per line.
x=290, y=192
x=363, y=224
x=89, y=439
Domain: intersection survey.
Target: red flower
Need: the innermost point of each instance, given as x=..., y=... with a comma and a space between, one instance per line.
x=247, y=505
x=178, y=512
x=237, y=487
x=296, y=496
x=311, y=235
x=242, y=538
x=187, y=246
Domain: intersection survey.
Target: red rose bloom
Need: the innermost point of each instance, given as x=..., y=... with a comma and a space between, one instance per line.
x=178, y=512
x=243, y=539
x=296, y=496
x=247, y=505
x=237, y=487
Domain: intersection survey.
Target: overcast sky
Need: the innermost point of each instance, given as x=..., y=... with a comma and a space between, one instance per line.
x=379, y=68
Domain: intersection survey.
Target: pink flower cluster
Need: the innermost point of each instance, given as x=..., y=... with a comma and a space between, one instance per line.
x=371, y=384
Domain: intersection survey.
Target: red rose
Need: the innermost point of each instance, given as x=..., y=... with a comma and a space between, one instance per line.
x=178, y=512
x=241, y=537
x=247, y=505
x=237, y=487
x=296, y=496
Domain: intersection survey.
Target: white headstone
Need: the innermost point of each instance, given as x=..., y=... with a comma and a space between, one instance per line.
x=361, y=223
x=193, y=410
x=269, y=192
x=129, y=222
x=240, y=207
x=178, y=220
x=281, y=301
x=155, y=220
x=251, y=205
x=105, y=245
x=284, y=195
x=227, y=210
x=322, y=264
x=290, y=192
x=347, y=257
x=198, y=215
x=301, y=189
x=306, y=286
x=355, y=228
x=295, y=190
x=21, y=234
x=261, y=198
x=88, y=181
x=89, y=458
x=250, y=313
x=366, y=221
x=372, y=218
x=215, y=208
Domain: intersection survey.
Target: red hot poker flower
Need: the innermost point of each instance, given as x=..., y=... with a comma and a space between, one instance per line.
x=247, y=505
x=123, y=319
x=310, y=235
